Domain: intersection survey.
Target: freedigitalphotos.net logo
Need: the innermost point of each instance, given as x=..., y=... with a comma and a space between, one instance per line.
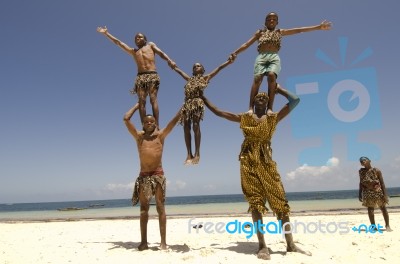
x=277, y=228
x=344, y=102
x=272, y=227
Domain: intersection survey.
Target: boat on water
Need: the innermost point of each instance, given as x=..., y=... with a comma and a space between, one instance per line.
x=96, y=205
x=70, y=209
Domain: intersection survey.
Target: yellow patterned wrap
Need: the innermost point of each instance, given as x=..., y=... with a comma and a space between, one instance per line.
x=260, y=179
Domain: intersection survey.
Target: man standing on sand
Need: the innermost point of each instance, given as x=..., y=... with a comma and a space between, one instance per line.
x=151, y=180
x=260, y=180
x=147, y=80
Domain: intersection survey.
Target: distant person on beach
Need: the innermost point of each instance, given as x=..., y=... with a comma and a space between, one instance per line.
x=372, y=191
x=147, y=80
x=268, y=62
x=193, y=106
x=151, y=180
x=259, y=175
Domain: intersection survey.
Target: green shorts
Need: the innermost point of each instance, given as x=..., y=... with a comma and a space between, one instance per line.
x=267, y=62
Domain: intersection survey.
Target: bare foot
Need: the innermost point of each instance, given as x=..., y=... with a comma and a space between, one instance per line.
x=163, y=246
x=295, y=248
x=143, y=246
x=263, y=254
x=196, y=160
x=188, y=162
x=388, y=229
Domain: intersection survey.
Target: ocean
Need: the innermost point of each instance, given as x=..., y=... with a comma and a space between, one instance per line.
x=186, y=206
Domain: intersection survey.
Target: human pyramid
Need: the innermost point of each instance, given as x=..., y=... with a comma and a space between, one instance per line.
x=260, y=179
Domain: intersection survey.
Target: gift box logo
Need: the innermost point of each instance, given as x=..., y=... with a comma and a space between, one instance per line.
x=342, y=102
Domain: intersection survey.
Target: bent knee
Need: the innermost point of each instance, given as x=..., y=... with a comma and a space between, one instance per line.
x=144, y=208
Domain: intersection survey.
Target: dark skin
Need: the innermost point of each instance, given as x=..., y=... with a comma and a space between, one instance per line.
x=366, y=163
x=260, y=113
x=144, y=56
x=198, y=70
x=150, y=143
x=271, y=21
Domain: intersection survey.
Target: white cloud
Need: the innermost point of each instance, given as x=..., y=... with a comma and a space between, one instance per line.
x=210, y=187
x=306, y=171
x=332, y=176
x=119, y=186
x=180, y=185
x=177, y=185
x=396, y=163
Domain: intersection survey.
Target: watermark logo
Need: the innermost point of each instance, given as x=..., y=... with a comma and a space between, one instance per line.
x=368, y=229
x=344, y=102
x=278, y=228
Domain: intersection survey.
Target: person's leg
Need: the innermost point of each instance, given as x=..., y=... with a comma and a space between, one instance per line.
x=254, y=89
x=263, y=252
x=371, y=215
x=154, y=103
x=142, y=93
x=197, y=139
x=290, y=246
x=386, y=217
x=144, y=218
x=162, y=218
x=188, y=140
x=271, y=77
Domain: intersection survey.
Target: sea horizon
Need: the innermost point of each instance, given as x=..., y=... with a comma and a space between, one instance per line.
x=316, y=202
x=392, y=191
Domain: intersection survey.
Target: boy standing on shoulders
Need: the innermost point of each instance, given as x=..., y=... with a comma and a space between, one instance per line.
x=147, y=81
x=151, y=180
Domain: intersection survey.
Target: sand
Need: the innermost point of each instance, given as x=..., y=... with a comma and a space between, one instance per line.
x=116, y=241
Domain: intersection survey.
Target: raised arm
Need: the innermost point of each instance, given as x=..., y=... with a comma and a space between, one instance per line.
x=127, y=120
x=162, y=54
x=293, y=102
x=245, y=45
x=227, y=115
x=166, y=130
x=182, y=73
x=116, y=41
x=218, y=69
x=325, y=25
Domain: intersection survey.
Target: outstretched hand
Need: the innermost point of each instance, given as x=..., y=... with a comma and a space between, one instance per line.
x=172, y=64
x=102, y=30
x=232, y=57
x=325, y=25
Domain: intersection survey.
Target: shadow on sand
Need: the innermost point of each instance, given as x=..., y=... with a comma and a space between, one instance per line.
x=134, y=245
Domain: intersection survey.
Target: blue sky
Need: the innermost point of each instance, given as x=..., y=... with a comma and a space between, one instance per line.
x=64, y=90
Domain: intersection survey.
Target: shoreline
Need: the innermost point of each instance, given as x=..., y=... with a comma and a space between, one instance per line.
x=152, y=215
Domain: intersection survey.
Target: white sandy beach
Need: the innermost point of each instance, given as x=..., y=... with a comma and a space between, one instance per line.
x=116, y=241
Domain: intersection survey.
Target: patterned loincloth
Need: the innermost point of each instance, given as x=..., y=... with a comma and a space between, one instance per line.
x=147, y=183
x=193, y=107
x=372, y=193
x=146, y=80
